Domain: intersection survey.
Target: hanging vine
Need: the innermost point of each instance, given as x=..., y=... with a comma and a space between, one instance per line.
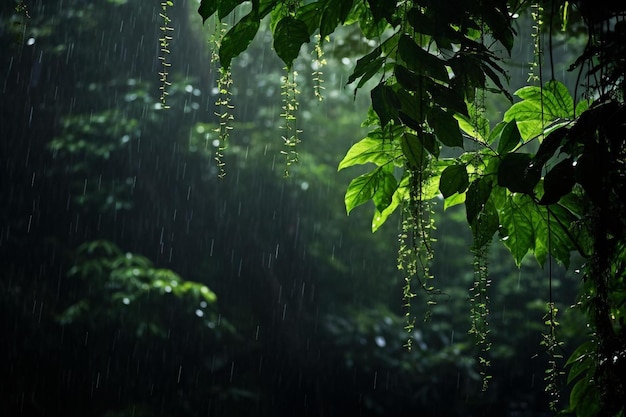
x=318, y=63
x=164, y=44
x=415, y=252
x=479, y=311
x=291, y=135
x=223, y=103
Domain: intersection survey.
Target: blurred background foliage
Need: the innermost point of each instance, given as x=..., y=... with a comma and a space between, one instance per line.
x=135, y=282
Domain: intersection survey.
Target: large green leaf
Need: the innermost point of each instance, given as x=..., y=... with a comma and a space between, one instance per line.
x=238, y=38
x=378, y=185
x=550, y=233
x=540, y=107
x=289, y=36
x=454, y=179
x=517, y=225
x=378, y=148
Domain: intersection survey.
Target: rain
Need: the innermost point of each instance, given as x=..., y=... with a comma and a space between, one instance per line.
x=137, y=281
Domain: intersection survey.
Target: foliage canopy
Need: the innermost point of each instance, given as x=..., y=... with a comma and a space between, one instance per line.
x=547, y=179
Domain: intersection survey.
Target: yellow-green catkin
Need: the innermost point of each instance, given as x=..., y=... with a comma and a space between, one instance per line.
x=291, y=136
x=318, y=63
x=534, y=74
x=223, y=103
x=164, y=44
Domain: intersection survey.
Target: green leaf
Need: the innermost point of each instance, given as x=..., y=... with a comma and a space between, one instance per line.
x=289, y=36
x=446, y=127
x=376, y=148
x=540, y=107
x=386, y=187
x=454, y=200
x=517, y=224
x=510, y=138
x=377, y=185
x=557, y=221
x=238, y=38
x=454, y=179
x=517, y=173
x=466, y=124
x=399, y=195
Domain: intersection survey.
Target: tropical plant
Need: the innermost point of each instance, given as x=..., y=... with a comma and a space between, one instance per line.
x=547, y=179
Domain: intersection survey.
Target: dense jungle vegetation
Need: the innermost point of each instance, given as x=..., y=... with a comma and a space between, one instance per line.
x=175, y=180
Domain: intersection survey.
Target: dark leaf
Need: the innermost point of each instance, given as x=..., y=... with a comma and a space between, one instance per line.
x=478, y=193
x=289, y=36
x=310, y=15
x=421, y=61
x=509, y=138
x=207, y=8
x=382, y=9
x=454, y=179
x=413, y=108
x=226, y=6
x=238, y=38
x=413, y=150
x=385, y=103
x=549, y=145
x=367, y=65
x=517, y=173
x=446, y=127
x=558, y=182
x=485, y=224
x=334, y=13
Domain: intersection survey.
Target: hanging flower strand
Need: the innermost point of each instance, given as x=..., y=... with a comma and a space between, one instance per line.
x=318, y=63
x=164, y=42
x=223, y=103
x=291, y=137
